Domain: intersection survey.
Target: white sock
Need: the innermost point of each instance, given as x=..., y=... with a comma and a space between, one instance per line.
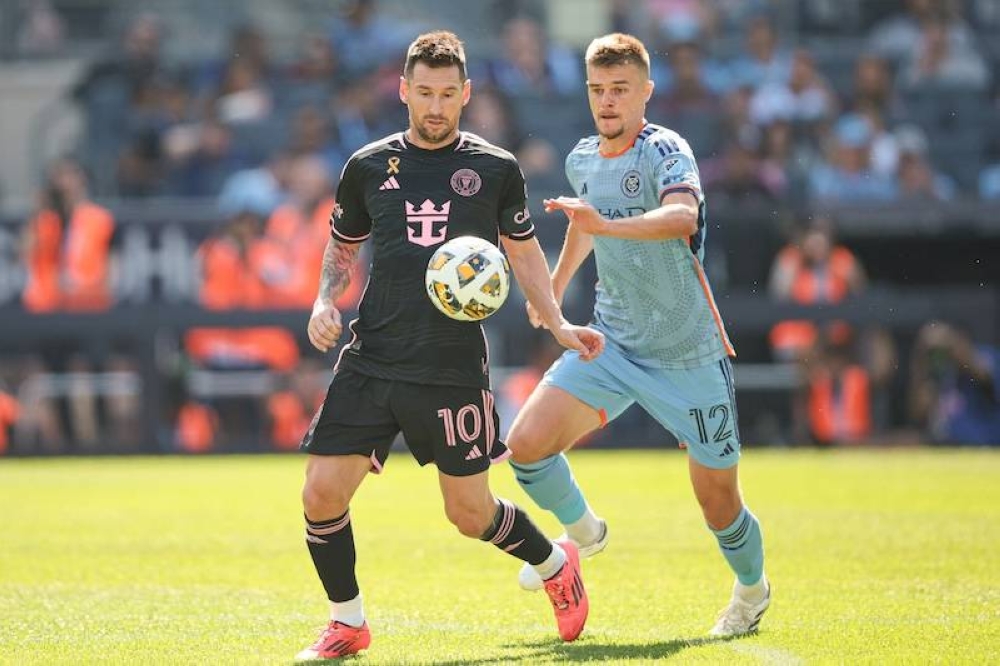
x=348, y=612
x=753, y=594
x=552, y=564
x=585, y=531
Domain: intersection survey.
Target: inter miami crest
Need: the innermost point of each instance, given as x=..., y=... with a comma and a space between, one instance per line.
x=466, y=182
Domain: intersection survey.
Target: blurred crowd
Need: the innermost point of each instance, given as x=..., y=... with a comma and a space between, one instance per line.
x=774, y=116
x=909, y=112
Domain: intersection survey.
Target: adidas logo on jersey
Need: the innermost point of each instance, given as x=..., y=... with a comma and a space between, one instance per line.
x=474, y=453
x=390, y=184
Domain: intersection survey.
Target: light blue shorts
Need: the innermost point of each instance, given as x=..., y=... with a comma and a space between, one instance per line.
x=697, y=405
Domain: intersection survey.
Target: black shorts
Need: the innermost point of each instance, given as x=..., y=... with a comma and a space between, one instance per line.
x=455, y=427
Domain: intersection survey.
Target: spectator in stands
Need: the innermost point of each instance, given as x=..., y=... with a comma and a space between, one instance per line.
x=763, y=61
x=200, y=158
x=937, y=60
x=804, y=99
x=683, y=20
x=955, y=387
x=531, y=65
x=781, y=153
x=874, y=88
x=259, y=190
x=364, y=38
x=244, y=94
x=234, y=263
x=896, y=37
x=297, y=232
x=489, y=114
x=247, y=44
x=67, y=254
x=811, y=270
x=838, y=401
x=359, y=115
x=739, y=175
x=917, y=179
x=40, y=30
x=883, y=146
x=688, y=91
x=312, y=77
x=312, y=134
x=736, y=112
x=67, y=245
x=846, y=175
x=680, y=35
x=159, y=106
x=105, y=94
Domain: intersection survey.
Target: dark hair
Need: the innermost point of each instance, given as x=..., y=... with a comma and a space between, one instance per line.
x=617, y=49
x=440, y=48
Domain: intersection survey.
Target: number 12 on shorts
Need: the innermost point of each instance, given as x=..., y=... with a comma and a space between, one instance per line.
x=718, y=417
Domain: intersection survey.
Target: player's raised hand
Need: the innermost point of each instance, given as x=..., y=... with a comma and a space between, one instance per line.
x=581, y=214
x=324, y=328
x=585, y=340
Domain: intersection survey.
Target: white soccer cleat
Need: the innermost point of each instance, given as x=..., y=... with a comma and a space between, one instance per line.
x=741, y=616
x=529, y=579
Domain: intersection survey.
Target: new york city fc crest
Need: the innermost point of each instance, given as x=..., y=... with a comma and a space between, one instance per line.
x=631, y=184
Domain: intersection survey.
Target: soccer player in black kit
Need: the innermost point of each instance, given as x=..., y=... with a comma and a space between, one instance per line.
x=407, y=367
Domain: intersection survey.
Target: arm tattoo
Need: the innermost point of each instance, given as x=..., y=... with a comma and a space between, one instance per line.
x=338, y=259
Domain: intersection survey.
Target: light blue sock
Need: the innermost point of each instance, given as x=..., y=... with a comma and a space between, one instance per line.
x=550, y=483
x=743, y=547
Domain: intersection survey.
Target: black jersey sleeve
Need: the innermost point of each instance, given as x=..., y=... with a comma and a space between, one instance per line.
x=350, y=221
x=515, y=218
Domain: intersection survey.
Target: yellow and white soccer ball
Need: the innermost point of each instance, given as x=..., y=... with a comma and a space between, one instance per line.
x=468, y=278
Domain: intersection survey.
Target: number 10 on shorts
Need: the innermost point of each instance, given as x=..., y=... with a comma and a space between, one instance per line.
x=466, y=423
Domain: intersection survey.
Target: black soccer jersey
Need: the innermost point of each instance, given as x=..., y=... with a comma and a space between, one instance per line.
x=410, y=200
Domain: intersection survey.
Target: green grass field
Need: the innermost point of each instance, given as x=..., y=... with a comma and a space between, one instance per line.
x=875, y=557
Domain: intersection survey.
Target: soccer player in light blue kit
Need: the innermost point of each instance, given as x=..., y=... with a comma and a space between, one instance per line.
x=640, y=209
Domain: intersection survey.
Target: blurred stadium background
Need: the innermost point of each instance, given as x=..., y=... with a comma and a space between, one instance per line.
x=168, y=168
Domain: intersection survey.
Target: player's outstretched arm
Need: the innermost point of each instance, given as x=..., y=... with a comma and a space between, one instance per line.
x=576, y=247
x=527, y=261
x=677, y=217
x=324, y=324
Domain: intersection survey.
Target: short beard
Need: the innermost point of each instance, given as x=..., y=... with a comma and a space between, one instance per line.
x=433, y=138
x=614, y=136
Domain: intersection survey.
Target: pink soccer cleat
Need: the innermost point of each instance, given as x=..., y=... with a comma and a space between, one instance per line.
x=568, y=596
x=337, y=640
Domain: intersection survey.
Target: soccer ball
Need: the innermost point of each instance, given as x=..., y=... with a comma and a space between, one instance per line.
x=468, y=278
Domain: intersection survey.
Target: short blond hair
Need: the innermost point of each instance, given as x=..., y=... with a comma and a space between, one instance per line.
x=617, y=49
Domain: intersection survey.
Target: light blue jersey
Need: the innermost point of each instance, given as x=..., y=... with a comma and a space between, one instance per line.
x=653, y=299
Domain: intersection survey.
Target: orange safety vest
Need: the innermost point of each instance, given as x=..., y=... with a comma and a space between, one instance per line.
x=289, y=420
x=196, y=427
x=298, y=245
x=842, y=415
x=68, y=267
x=9, y=412
x=227, y=281
x=830, y=284
x=230, y=282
